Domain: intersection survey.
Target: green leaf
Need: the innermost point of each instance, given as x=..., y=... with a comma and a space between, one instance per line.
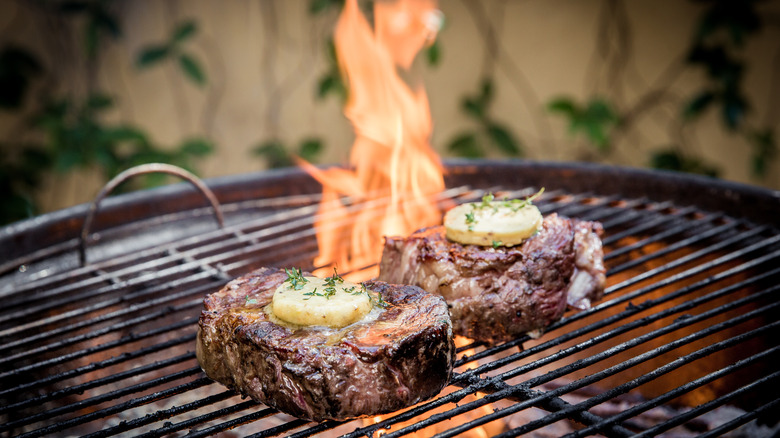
x=696, y=106
x=331, y=84
x=91, y=38
x=670, y=159
x=183, y=31
x=486, y=92
x=320, y=6
x=562, y=105
x=734, y=110
x=151, y=55
x=275, y=154
x=433, y=54
x=99, y=101
x=764, y=150
x=601, y=112
x=474, y=108
x=198, y=147
x=466, y=145
x=106, y=22
x=504, y=139
x=310, y=149
x=124, y=133
x=192, y=69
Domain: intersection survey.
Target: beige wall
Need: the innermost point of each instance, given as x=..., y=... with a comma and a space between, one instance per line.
x=263, y=60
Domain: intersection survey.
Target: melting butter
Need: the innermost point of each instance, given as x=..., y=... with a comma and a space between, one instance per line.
x=319, y=303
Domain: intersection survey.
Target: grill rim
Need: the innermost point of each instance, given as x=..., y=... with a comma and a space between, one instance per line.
x=57, y=230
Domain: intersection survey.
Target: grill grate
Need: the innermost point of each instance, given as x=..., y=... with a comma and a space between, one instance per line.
x=689, y=319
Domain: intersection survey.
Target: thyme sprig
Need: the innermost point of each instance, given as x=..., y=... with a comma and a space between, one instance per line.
x=488, y=202
x=331, y=281
x=295, y=278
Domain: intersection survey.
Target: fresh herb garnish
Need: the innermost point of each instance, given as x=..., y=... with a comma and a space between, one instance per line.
x=376, y=299
x=470, y=220
x=295, y=278
x=497, y=243
x=313, y=293
x=248, y=300
x=486, y=200
x=517, y=204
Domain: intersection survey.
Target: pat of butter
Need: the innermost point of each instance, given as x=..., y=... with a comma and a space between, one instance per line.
x=495, y=223
x=318, y=304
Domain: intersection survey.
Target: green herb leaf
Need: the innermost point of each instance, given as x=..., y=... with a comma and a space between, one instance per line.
x=310, y=149
x=466, y=145
x=433, y=54
x=151, y=55
x=184, y=30
x=503, y=139
x=198, y=147
x=295, y=278
x=192, y=69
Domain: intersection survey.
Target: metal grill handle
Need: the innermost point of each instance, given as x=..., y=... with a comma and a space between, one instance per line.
x=140, y=170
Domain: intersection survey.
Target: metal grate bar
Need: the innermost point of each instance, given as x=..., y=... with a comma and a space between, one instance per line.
x=734, y=254
x=518, y=389
x=93, y=320
x=76, y=389
x=165, y=311
x=120, y=407
x=92, y=401
x=169, y=428
x=102, y=347
x=687, y=242
x=648, y=224
x=244, y=420
x=98, y=365
x=720, y=401
x=749, y=416
x=667, y=397
x=673, y=231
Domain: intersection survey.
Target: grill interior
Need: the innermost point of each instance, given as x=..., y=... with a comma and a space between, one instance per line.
x=683, y=342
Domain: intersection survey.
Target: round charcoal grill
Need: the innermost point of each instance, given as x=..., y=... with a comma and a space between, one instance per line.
x=97, y=335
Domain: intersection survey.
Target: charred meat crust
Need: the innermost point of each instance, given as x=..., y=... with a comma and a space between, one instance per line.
x=402, y=357
x=497, y=294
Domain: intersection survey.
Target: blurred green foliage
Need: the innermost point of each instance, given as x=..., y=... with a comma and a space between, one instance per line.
x=487, y=132
x=716, y=49
x=72, y=132
x=173, y=50
x=594, y=120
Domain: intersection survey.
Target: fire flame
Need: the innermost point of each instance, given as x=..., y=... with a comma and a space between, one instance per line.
x=394, y=173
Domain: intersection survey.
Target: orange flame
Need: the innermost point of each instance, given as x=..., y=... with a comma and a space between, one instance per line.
x=393, y=171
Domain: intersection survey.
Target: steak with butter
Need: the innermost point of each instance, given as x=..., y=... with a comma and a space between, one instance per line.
x=373, y=358
x=497, y=292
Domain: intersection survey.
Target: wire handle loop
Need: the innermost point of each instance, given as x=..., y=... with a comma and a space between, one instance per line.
x=140, y=170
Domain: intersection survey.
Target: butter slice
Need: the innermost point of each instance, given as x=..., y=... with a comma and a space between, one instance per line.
x=497, y=223
x=312, y=305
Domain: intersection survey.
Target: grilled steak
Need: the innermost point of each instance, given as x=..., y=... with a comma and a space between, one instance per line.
x=398, y=356
x=496, y=294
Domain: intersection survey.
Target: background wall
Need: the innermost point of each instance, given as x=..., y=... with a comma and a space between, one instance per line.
x=259, y=68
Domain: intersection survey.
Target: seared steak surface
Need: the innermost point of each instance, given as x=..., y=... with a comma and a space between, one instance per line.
x=398, y=356
x=496, y=294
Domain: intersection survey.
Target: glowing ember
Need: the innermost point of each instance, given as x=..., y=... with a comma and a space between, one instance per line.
x=393, y=171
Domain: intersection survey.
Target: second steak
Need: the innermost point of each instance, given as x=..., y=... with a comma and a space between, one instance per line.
x=497, y=294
